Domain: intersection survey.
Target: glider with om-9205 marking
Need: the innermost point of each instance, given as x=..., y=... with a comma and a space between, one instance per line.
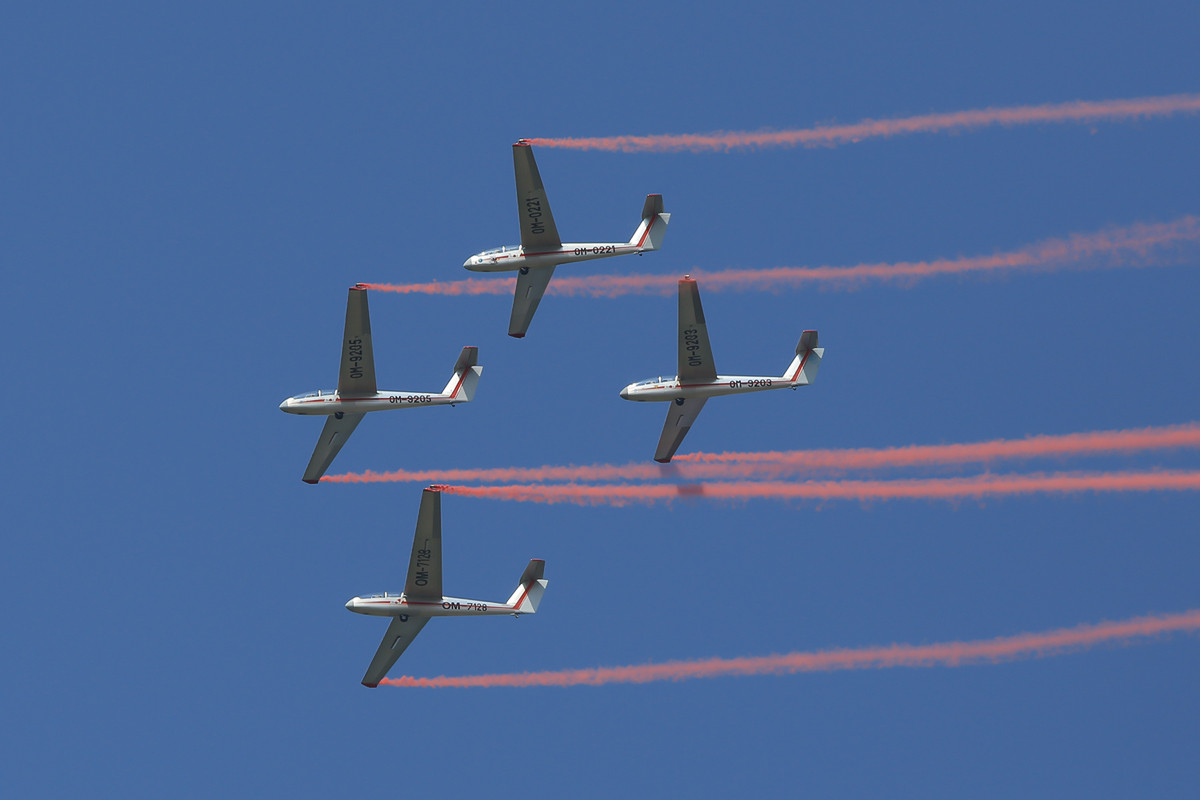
x=422, y=597
x=541, y=250
x=357, y=394
x=698, y=379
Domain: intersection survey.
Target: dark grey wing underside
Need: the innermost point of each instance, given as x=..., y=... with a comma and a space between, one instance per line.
x=680, y=417
x=333, y=436
x=531, y=285
x=538, y=232
x=424, y=580
x=396, y=640
x=695, y=353
x=356, y=374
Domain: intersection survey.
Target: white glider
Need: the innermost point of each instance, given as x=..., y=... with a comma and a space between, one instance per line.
x=422, y=596
x=356, y=393
x=698, y=379
x=541, y=250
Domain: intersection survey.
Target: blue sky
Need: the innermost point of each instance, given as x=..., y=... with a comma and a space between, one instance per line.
x=191, y=190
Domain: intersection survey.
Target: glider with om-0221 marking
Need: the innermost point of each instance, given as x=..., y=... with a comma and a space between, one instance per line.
x=541, y=250
x=698, y=379
x=356, y=393
x=422, y=597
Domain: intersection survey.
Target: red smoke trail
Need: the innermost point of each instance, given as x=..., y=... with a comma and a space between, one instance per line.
x=929, y=489
x=1128, y=246
x=467, y=286
x=693, y=466
x=944, y=654
x=595, y=472
x=1071, y=444
x=834, y=135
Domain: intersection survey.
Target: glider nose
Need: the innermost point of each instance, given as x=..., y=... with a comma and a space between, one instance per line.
x=284, y=405
x=625, y=393
x=350, y=603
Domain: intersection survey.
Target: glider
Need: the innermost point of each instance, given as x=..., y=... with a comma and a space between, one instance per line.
x=356, y=393
x=422, y=597
x=541, y=250
x=698, y=379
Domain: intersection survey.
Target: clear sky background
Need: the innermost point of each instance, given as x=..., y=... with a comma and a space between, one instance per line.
x=188, y=192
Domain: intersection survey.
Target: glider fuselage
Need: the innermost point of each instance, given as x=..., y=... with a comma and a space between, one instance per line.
x=327, y=401
x=513, y=257
x=397, y=605
x=664, y=389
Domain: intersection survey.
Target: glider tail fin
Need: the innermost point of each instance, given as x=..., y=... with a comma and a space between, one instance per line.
x=803, y=369
x=649, y=234
x=461, y=388
x=528, y=594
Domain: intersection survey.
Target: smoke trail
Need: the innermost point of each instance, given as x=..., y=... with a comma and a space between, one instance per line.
x=571, y=472
x=944, y=654
x=1128, y=246
x=694, y=466
x=1042, y=446
x=468, y=286
x=833, y=135
x=929, y=489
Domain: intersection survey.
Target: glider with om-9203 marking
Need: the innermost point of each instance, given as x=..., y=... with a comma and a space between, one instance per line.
x=541, y=249
x=697, y=379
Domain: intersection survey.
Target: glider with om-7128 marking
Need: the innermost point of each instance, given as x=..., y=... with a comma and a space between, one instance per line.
x=698, y=379
x=357, y=394
x=422, y=597
x=541, y=249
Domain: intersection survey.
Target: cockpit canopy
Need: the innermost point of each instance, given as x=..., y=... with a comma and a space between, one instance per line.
x=316, y=393
x=652, y=381
x=379, y=596
x=508, y=248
